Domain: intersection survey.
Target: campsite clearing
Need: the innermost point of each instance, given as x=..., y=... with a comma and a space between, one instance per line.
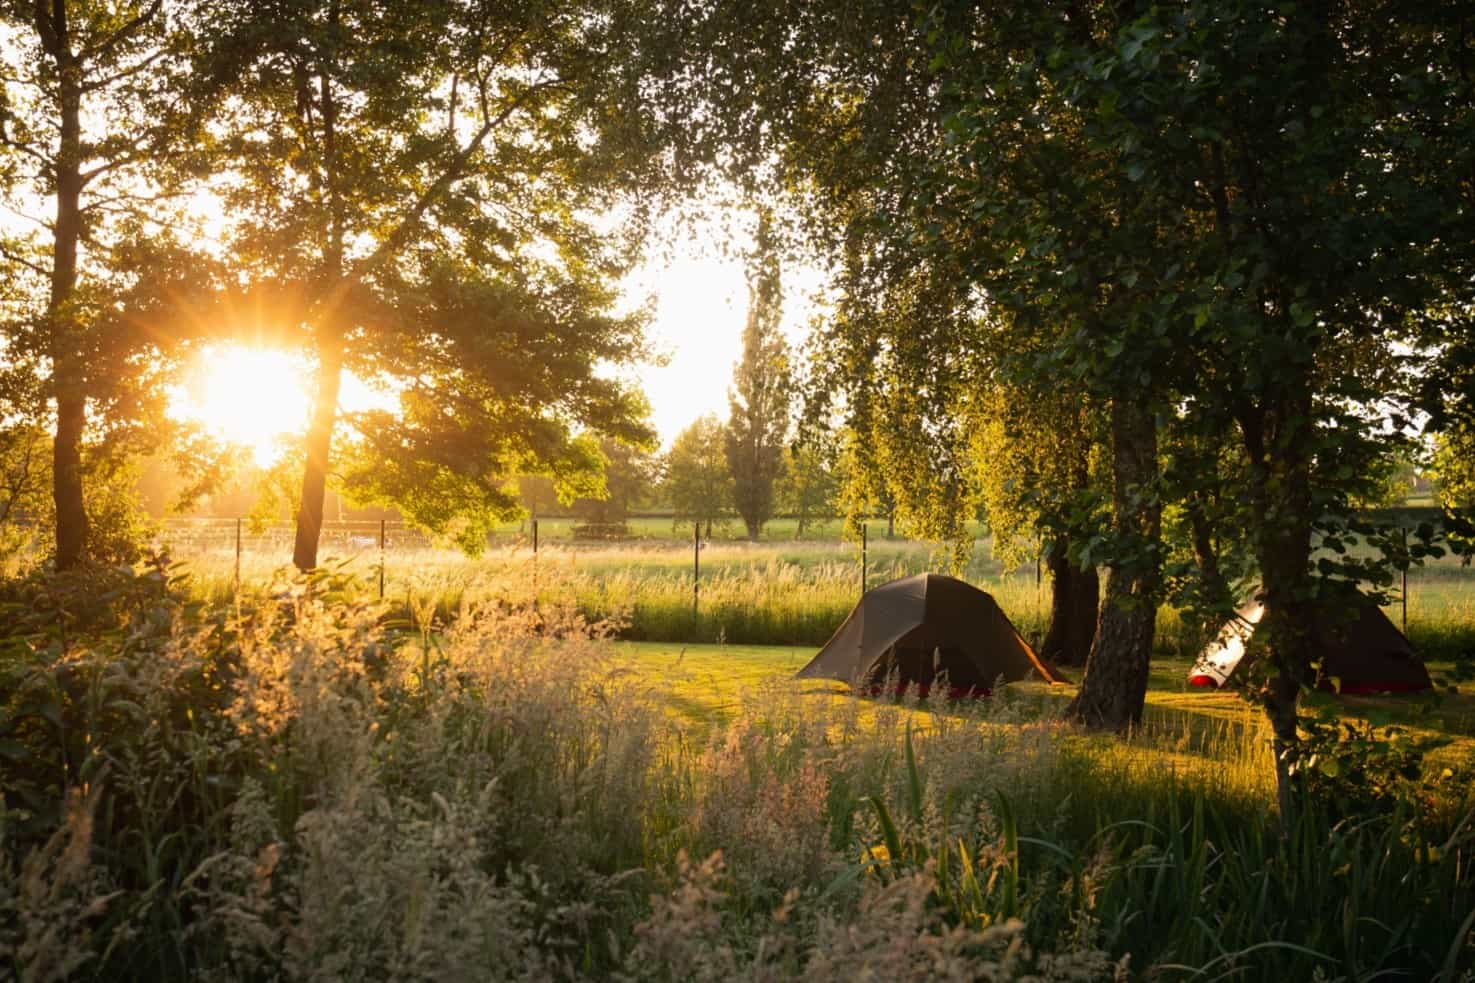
x=705, y=685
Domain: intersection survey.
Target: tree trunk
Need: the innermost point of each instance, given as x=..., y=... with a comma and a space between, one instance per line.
x=891, y=523
x=1114, y=687
x=1205, y=553
x=318, y=447
x=330, y=337
x=1074, y=600
x=1279, y=442
x=1213, y=585
x=67, y=376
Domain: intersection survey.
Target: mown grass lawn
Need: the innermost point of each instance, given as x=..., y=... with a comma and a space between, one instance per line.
x=704, y=685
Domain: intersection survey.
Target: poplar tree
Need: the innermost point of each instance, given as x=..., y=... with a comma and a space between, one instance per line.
x=758, y=421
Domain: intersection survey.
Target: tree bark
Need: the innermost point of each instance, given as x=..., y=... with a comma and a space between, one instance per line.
x=330, y=337
x=1074, y=602
x=67, y=376
x=1114, y=687
x=1278, y=441
x=318, y=448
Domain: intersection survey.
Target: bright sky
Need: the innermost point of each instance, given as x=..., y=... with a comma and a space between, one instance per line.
x=253, y=396
x=701, y=307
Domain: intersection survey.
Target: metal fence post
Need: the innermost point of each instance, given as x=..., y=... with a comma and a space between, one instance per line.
x=382, y=528
x=238, y=555
x=1403, y=593
x=696, y=566
x=863, y=558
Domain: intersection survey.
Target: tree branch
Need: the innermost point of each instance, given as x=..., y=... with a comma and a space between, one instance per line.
x=453, y=173
x=105, y=47
x=31, y=265
x=120, y=75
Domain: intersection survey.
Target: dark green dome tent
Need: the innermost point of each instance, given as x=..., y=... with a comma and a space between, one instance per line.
x=913, y=630
x=1351, y=637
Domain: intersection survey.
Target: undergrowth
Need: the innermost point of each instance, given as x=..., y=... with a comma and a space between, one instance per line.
x=309, y=785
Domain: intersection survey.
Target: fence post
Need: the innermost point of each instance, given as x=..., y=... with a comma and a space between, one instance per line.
x=535, y=563
x=382, y=525
x=696, y=567
x=1403, y=593
x=238, y=555
x=863, y=558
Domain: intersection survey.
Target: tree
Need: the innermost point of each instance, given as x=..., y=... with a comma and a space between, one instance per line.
x=950, y=184
x=1312, y=234
x=92, y=117
x=698, y=481
x=808, y=485
x=536, y=494
x=1037, y=456
x=629, y=478
x=759, y=418
x=1454, y=469
x=1192, y=234
x=418, y=180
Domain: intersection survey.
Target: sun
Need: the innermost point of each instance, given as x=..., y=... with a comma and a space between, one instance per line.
x=246, y=395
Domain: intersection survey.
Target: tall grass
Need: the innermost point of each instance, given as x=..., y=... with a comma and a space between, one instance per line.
x=305, y=787
x=746, y=594
x=759, y=594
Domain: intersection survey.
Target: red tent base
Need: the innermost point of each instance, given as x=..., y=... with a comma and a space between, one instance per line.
x=1203, y=682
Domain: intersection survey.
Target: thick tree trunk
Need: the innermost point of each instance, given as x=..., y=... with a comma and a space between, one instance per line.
x=318, y=448
x=330, y=338
x=66, y=464
x=67, y=376
x=1278, y=441
x=1114, y=687
x=1075, y=598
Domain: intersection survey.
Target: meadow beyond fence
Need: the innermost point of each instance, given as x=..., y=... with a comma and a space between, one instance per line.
x=779, y=591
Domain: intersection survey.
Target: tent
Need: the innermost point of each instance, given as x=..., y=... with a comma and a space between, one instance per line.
x=913, y=630
x=1355, y=642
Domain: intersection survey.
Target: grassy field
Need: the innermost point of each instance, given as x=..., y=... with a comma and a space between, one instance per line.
x=764, y=593
x=708, y=685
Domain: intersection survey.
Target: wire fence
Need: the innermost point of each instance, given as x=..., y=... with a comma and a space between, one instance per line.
x=382, y=538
